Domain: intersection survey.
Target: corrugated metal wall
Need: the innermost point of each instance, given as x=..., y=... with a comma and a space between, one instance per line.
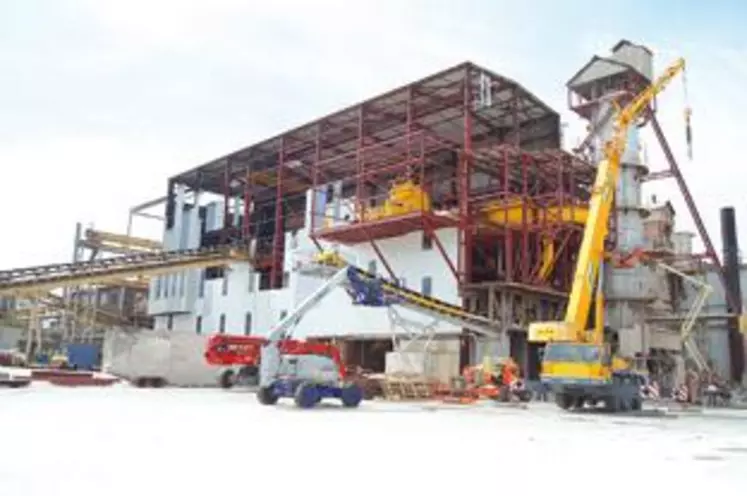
x=715, y=341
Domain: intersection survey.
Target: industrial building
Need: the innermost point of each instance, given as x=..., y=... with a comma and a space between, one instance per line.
x=457, y=187
x=329, y=182
x=454, y=186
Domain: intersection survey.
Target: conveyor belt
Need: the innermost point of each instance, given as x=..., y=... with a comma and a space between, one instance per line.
x=119, y=243
x=435, y=308
x=47, y=277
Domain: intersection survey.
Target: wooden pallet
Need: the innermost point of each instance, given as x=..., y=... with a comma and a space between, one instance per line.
x=406, y=387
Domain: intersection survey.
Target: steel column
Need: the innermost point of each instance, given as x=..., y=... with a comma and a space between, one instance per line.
x=276, y=270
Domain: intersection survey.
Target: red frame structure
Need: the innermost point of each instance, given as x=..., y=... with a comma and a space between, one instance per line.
x=470, y=138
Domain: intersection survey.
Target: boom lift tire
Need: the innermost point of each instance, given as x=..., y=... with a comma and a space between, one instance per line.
x=267, y=396
x=351, y=395
x=227, y=379
x=307, y=395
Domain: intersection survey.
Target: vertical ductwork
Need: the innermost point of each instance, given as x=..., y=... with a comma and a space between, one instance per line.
x=170, y=205
x=733, y=289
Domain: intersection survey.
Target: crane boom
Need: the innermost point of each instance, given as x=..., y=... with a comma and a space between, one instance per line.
x=591, y=252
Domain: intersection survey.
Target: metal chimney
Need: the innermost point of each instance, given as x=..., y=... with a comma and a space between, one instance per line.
x=731, y=277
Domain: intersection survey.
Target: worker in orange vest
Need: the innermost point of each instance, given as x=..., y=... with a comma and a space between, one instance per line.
x=510, y=371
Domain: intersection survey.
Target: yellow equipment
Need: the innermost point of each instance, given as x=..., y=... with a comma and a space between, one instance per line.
x=577, y=363
x=405, y=197
x=515, y=214
x=59, y=360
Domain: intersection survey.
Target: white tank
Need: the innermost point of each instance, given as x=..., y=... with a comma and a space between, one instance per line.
x=683, y=242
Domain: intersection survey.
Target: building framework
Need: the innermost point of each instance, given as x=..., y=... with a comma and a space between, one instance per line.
x=472, y=151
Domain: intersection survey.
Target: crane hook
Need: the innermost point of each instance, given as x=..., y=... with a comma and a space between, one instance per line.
x=688, y=115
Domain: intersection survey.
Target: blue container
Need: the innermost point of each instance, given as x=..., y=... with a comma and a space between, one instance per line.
x=83, y=356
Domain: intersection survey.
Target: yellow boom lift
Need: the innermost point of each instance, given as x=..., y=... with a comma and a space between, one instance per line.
x=578, y=364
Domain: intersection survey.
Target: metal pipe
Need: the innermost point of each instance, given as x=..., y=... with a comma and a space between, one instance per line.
x=732, y=286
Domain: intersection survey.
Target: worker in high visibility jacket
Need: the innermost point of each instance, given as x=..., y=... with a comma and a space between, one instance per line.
x=510, y=372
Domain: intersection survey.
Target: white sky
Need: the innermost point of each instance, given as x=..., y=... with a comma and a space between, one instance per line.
x=103, y=101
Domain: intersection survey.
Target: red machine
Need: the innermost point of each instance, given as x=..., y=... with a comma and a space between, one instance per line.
x=226, y=350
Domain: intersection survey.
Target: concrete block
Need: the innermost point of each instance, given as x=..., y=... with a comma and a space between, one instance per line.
x=176, y=357
x=439, y=366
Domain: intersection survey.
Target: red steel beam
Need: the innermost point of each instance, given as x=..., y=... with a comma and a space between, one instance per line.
x=429, y=231
x=380, y=256
x=692, y=207
x=226, y=199
x=276, y=272
x=315, y=185
x=464, y=232
x=247, y=207
x=524, y=206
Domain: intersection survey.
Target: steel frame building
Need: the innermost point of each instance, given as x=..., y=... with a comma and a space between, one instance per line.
x=484, y=149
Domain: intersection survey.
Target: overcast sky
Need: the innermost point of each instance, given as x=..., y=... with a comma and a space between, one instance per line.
x=101, y=101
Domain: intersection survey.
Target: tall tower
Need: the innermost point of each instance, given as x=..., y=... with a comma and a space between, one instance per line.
x=591, y=93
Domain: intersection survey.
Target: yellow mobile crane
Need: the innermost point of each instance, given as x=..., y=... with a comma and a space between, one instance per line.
x=577, y=364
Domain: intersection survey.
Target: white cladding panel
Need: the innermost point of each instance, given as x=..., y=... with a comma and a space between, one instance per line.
x=409, y=261
x=335, y=315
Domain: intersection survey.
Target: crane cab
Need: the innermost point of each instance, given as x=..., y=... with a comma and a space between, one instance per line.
x=588, y=373
x=576, y=363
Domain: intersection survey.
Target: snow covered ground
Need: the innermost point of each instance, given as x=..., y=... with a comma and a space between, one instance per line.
x=125, y=441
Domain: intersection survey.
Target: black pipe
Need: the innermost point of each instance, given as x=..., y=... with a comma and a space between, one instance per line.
x=170, y=205
x=731, y=278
